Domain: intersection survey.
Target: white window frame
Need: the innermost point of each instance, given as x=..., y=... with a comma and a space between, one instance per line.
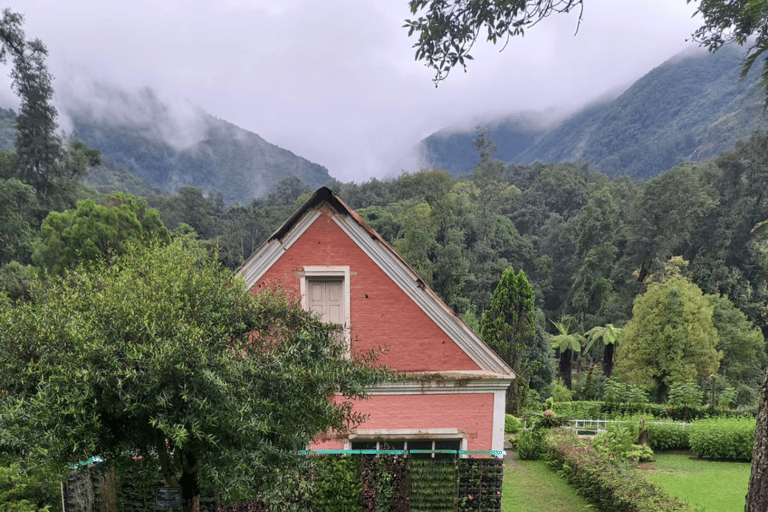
x=329, y=271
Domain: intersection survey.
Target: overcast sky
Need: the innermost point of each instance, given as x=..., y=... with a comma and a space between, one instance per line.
x=335, y=81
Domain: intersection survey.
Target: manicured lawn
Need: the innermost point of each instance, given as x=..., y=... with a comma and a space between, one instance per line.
x=529, y=486
x=710, y=486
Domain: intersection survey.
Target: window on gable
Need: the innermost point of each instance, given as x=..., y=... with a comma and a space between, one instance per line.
x=325, y=291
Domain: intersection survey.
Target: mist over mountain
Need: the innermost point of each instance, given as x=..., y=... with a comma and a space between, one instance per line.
x=690, y=108
x=170, y=144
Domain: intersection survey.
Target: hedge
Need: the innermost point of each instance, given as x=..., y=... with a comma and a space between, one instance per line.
x=726, y=439
x=605, y=483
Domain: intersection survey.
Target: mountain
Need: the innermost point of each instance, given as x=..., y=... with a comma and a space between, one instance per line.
x=174, y=145
x=690, y=108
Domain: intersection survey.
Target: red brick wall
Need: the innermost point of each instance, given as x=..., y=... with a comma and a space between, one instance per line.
x=473, y=412
x=381, y=314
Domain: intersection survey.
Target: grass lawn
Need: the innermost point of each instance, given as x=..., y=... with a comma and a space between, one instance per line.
x=529, y=486
x=709, y=486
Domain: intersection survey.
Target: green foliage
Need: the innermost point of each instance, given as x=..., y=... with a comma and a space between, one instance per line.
x=671, y=337
x=512, y=425
x=529, y=444
x=685, y=395
x=740, y=341
x=617, y=393
x=728, y=21
x=433, y=485
x=603, y=481
x=19, y=493
x=16, y=280
x=728, y=439
x=18, y=204
x=337, y=484
x=508, y=327
x=579, y=410
x=668, y=436
x=561, y=393
x=620, y=444
x=94, y=233
x=480, y=483
x=165, y=341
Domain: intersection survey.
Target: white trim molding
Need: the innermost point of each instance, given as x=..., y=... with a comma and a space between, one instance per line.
x=412, y=285
x=267, y=255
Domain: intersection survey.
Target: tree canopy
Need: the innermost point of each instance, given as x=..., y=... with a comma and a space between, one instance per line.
x=671, y=337
x=95, y=232
x=164, y=354
x=508, y=327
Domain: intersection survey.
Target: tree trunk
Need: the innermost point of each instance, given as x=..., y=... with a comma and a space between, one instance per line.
x=757, y=495
x=566, y=359
x=190, y=486
x=608, y=360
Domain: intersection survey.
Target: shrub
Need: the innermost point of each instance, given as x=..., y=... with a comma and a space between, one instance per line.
x=617, y=393
x=668, y=436
x=20, y=493
x=530, y=444
x=685, y=395
x=579, y=410
x=561, y=393
x=729, y=439
x=606, y=483
x=512, y=425
x=619, y=444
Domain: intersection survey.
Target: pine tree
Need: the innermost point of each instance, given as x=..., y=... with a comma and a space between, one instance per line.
x=508, y=328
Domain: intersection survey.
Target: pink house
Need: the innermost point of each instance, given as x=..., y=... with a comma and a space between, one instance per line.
x=453, y=393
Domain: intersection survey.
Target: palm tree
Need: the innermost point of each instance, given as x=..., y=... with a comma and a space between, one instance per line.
x=565, y=344
x=608, y=334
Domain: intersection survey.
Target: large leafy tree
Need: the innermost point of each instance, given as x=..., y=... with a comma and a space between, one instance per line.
x=671, y=337
x=508, y=327
x=94, y=232
x=164, y=354
x=448, y=29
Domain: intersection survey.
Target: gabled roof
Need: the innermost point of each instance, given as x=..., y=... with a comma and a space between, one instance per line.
x=388, y=260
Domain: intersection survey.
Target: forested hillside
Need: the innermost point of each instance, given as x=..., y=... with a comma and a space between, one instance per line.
x=690, y=108
x=137, y=134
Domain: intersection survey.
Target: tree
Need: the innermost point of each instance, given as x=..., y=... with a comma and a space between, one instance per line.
x=565, y=344
x=508, y=328
x=41, y=160
x=17, y=202
x=608, y=335
x=94, y=232
x=671, y=337
x=448, y=29
x=164, y=354
x=666, y=215
x=742, y=344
